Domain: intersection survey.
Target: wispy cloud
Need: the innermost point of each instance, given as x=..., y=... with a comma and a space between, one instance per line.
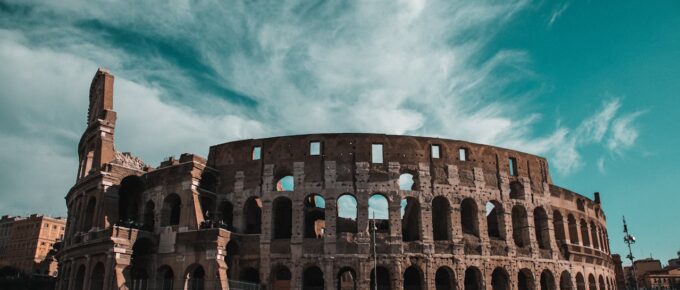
x=557, y=12
x=247, y=69
x=600, y=165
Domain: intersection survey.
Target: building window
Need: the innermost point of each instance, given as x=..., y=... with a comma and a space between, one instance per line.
x=377, y=153
x=512, y=163
x=315, y=148
x=463, y=154
x=257, y=153
x=435, y=152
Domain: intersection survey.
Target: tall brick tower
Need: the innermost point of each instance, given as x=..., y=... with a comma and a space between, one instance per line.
x=116, y=235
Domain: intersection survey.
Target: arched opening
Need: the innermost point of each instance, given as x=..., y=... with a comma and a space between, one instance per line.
x=600, y=235
x=282, y=218
x=129, y=199
x=346, y=279
x=406, y=182
x=97, y=277
x=584, y=233
x=592, y=285
x=593, y=233
x=558, y=225
x=252, y=215
x=468, y=217
x=249, y=275
x=410, y=220
x=315, y=216
x=208, y=182
x=346, y=221
x=165, y=278
x=412, y=279
x=80, y=277
x=444, y=279
x=580, y=282
x=226, y=214
x=312, y=279
x=172, y=210
x=232, y=254
x=149, y=216
x=495, y=221
x=542, y=228
x=565, y=281
x=520, y=227
x=89, y=214
x=573, y=229
x=441, y=212
x=378, y=213
x=286, y=183
x=196, y=278
x=282, y=278
x=473, y=279
x=516, y=190
x=525, y=280
x=207, y=201
x=500, y=280
x=602, y=285
x=8, y=271
x=383, y=278
x=547, y=280
x=140, y=264
x=580, y=205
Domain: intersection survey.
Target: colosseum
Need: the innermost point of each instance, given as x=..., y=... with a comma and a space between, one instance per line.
x=325, y=211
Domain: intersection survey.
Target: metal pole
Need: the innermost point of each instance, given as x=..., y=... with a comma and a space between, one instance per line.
x=375, y=256
x=629, y=240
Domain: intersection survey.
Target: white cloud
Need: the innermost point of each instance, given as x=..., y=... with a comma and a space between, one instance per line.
x=404, y=67
x=624, y=133
x=600, y=165
x=557, y=12
x=45, y=95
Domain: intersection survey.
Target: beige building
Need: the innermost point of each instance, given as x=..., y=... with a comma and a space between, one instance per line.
x=668, y=278
x=27, y=241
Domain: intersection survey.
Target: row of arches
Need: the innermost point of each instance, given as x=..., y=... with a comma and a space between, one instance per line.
x=314, y=218
x=406, y=182
x=312, y=278
x=129, y=209
x=411, y=220
x=591, y=235
x=194, y=279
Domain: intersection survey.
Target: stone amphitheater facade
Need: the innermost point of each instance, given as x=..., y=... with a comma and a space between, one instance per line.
x=470, y=216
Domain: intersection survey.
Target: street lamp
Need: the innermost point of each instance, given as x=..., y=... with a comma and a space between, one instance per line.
x=630, y=240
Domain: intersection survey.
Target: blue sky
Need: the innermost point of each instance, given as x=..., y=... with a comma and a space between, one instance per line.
x=591, y=85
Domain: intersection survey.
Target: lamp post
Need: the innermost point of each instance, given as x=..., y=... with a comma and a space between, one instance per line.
x=630, y=240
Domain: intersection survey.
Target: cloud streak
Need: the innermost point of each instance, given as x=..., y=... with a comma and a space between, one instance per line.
x=557, y=12
x=193, y=74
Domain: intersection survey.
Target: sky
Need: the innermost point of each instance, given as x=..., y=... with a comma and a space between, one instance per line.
x=591, y=85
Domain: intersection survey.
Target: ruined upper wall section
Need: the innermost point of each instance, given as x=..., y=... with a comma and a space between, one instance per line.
x=348, y=149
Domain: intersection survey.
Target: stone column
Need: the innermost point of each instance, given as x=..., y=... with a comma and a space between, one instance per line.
x=88, y=272
x=330, y=231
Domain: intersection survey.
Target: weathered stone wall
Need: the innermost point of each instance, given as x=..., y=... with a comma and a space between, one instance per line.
x=193, y=223
x=344, y=167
